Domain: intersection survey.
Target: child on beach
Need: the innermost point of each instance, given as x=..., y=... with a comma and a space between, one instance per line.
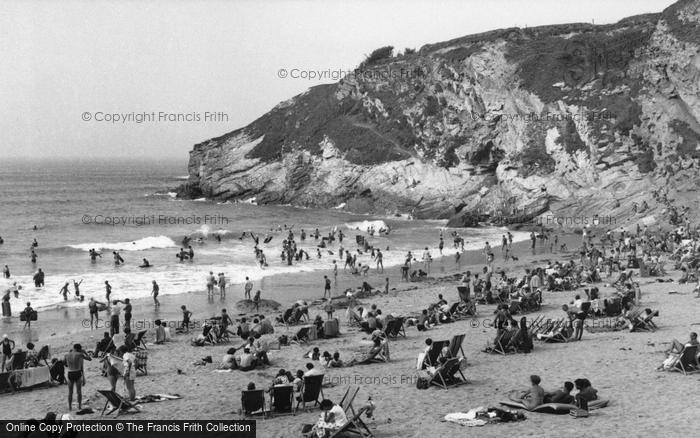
x=186, y=314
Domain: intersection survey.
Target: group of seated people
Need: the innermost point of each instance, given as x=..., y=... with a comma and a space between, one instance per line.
x=247, y=357
x=536, y=395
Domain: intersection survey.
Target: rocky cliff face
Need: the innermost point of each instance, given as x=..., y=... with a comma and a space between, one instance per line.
x=570, y=120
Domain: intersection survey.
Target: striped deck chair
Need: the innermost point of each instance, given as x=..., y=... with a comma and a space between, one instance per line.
x=348, y=398
x=456, y=345
x=433, y=354
x=395, y=328
x=141, y=362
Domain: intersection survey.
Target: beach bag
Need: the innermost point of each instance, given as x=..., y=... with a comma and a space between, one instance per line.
x=422, y=383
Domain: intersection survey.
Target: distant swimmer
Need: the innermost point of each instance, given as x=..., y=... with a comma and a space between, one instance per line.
x=6, y=272
x=35, y=228
x=33, y=256
x=39, y=278
x=35, y=243
x=94, y=254
x=268, y=238
x=76, y=287
x=182, y=255
x=190, y=252
x=145, y=264
x=2, y=241
x=155, y=292
x=118, y=260
x=218, y=237
x=186, y=240
x=64, y=291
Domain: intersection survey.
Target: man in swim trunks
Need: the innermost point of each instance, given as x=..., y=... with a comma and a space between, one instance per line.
x=533, y=397
x=74, y=364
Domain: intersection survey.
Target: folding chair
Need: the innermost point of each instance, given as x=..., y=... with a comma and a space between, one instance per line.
x=355, y=426
x=312, y=391
x=253, y=403
x=456, y=345
x=302, y=336
x=282, y=400
x=644, y=323
x=687, y=362
x=140, y=342
x=118, y=403
x=141, y=362
x=395, y=328
x=433, y=354
x=445, y=375
x=348, y=398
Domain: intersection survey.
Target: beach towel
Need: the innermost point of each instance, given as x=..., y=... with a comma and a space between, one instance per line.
x=465, y=419
x=153, y=398
x=556, y=408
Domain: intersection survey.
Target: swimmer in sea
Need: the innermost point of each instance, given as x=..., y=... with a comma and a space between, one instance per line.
x=64, y=291
x=33, y=256
x=108, y=290
x=76, y=286
x=145, y=264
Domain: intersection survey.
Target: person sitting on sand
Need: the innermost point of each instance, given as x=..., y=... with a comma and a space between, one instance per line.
x=246, y=361
x=561, y=395
x=160, y=332
x=228, y=361
x=377, y=347
x=243, y=329
x=586, y=393
x=336, y=362
x=332, y=419
x=532, y=397
x=326, y=358
x=314, y=354
x=257, y=350
x=423, y=321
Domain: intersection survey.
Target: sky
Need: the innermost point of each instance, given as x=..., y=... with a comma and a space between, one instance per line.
x=76, y=77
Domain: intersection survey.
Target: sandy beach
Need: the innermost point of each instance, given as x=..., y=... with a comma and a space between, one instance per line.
x=621, y=365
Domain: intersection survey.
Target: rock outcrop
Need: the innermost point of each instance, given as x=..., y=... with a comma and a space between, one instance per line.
x=509, y=125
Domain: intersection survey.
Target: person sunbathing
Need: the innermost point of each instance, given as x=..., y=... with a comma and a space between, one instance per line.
x=674, y=353
x=376, y=349
x=423, y=321
x=228, y=362
x=246, y=361
x=532, y=397
x=561, y=395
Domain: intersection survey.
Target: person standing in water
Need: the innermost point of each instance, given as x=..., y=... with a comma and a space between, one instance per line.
x=28, y=312
x=247, y=288
x=33, y=256
x=190, y=252
x=94, y=312
x=6, y=272
x=211, y=281
x=108, y=290
x=76, y=287
x=222, y=285
x=64, y=291
x=154, y=292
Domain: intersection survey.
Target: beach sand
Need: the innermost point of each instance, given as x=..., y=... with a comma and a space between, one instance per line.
x=621, y=365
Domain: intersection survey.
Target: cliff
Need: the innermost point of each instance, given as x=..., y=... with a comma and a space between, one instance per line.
x=565, y=120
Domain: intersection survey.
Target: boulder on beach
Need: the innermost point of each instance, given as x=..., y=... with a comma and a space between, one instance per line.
x=266, y=306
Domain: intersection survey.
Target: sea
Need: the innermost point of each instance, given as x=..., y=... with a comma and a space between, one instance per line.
x=130, y=206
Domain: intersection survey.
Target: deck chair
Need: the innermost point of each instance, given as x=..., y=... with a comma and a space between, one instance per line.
x=119, y=403
x=687, y=361
x=644, y=323
x=312, y=391
x=348, y=398
x=499, y=344
x=18, y=360
x=282, y=400
x=456, y=345
x=395, y=328
x=355, y=426
x=302, y=336
x=446, y=374
x=253, y=403
x=433, y=354
x=140, y=342
x=141, y=362
x=554, y=332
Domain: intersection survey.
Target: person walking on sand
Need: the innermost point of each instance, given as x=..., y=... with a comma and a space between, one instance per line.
x=155, y=292
x=335, y=272
x=327, y=286
x=222, y=285
x=247, y=288
x=186, y=315
x=379, y=257
x=211, y=281
x=427, y=259
x=76, y=377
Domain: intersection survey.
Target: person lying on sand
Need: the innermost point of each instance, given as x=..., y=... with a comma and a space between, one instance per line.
x=532, y=397
x=561, y=395
x=376, y=349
